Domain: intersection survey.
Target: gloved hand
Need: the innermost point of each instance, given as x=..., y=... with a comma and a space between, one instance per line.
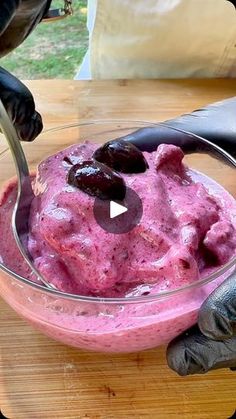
x=20, y=106
x=17, y=19
x=216, y=123
x=211, y=344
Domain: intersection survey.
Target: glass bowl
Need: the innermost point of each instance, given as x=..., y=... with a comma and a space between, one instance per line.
x=106, y=324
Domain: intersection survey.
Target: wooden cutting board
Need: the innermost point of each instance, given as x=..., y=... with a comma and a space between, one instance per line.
x=40, y=378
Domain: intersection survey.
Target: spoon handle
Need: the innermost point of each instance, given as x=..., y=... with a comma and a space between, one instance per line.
x=12, y=138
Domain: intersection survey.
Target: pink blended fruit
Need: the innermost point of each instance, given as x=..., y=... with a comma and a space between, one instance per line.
x=187, y=231
x=175, y=243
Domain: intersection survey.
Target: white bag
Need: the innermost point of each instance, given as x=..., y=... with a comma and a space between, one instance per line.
x=160, y=39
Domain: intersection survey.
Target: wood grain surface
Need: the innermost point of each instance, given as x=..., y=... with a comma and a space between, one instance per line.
x=40, y=378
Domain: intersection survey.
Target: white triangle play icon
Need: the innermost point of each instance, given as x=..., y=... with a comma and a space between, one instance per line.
x=116, y=209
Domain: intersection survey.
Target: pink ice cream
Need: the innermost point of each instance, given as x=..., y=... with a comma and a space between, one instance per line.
x=184, y=231
x=187, y=231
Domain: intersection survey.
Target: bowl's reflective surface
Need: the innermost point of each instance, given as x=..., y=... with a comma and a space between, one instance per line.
x=101, y=324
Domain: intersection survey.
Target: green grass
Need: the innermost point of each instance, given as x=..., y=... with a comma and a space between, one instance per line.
x=53, y=50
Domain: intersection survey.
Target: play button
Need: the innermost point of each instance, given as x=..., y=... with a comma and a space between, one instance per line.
x=119, y=217
x=116, y=209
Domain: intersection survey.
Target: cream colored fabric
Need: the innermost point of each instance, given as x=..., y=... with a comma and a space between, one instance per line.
x=162, y=39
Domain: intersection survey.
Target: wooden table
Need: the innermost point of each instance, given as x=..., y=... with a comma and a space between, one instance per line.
x=40, y=378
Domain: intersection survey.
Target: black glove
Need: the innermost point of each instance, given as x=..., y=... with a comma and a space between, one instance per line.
x=20, y=106
x=17, y=19
x=216, y=123
x=211, y=344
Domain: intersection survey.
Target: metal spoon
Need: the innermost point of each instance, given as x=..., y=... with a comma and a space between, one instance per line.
x=25, y=194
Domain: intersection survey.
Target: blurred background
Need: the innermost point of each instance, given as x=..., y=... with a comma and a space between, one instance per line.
x=54, y=49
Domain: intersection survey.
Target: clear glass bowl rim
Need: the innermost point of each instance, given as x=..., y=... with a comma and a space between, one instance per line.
x=140, y=299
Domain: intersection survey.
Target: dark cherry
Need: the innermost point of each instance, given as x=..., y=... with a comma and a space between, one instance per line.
x=97, y=179
x=121, y=156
